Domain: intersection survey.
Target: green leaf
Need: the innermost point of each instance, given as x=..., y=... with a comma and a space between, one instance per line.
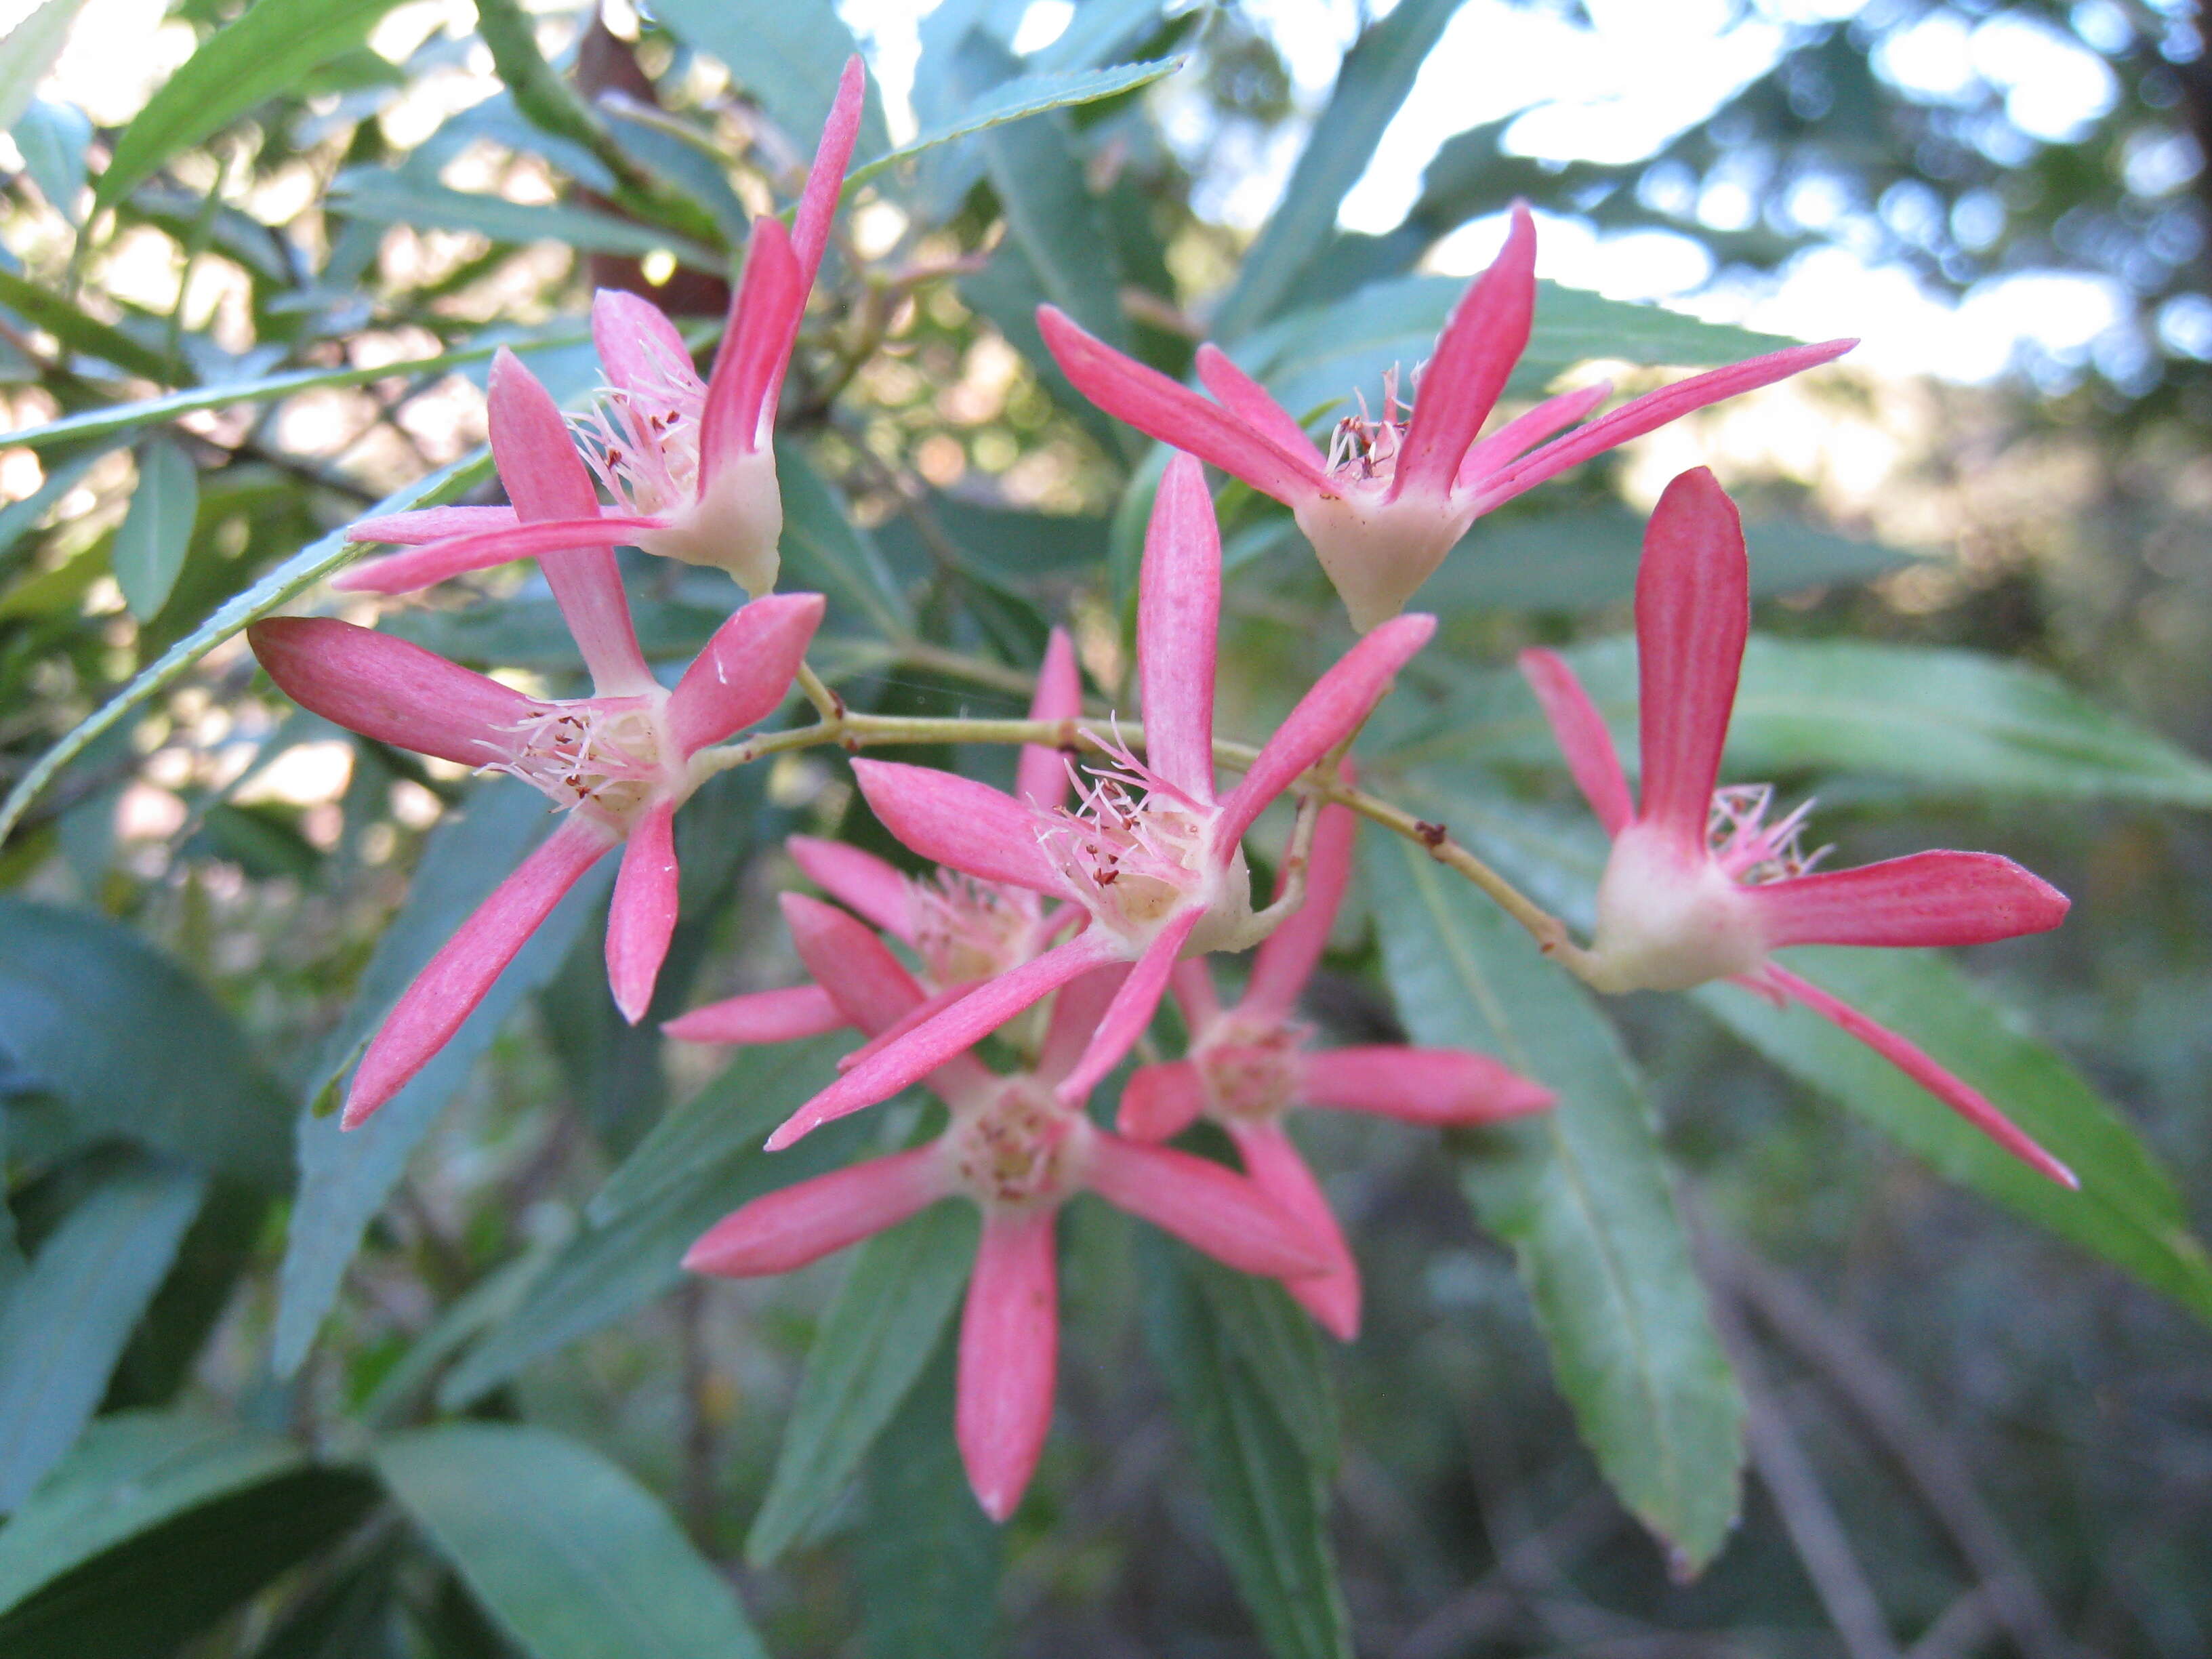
x=531, y=633
x=294, y=576
x=54, y=139
x=1017, y=98
x=1053, y=218
x=1377, y=74
x=398, y=198
x=1277, y=1342
x=156, y=1524
x=929, y=1558
x=700, y=1162
x=346, y=1176
x=1953, y=723
x=28, y=53
x=81, y=333
x=787, y=56
x=573, y=1557
x=823, y=550
x=2127, y=1211
x=1581, y=1194
x=269, y=50
x=157, y=531
x=1269, y=1500
x=130, y=1045
x=66, y=1322
x=896, y=1304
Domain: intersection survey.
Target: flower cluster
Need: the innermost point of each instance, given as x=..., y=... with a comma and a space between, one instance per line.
x=1060, y=916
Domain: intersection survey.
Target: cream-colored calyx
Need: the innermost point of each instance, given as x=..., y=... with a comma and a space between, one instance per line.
x=735, y=524
x=1669, y=917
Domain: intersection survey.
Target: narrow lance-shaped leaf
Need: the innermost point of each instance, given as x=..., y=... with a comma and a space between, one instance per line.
x=156, y=533
x=29, y=50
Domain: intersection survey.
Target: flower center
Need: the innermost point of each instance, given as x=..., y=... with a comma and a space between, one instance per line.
x=1250, y=1071
x=642, y=440
x=966, y=930
x=1750, y=849
x=605, y=757
x=1017, y=1149
x=1134, y=848
x=1363, y=452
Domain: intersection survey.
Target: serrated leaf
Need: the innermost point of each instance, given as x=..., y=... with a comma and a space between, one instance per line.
x=1581, y=1194
x=2127, y=1211
x=787, y=56
x=269, y=50
x=66, y=1324
x=1269, y=1500
x=28, y=51
x=1277, y=1342
x=132, y=1047
x=1051, y=216
x=156, y=533
x=347, y=1175
x=572, y=1557
x=888, y=1317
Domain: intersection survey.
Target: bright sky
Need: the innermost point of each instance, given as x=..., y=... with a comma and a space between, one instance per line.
x=1647, y=70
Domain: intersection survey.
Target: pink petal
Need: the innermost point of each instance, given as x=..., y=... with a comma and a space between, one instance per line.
x=1418, y=1085
x=1474, y=358
x=547, y=481
x=386, y=688
x=1246, y=399
x=959, y=1028
x=805, y=1221
x=870, y=985
x=455, y=981
x=763, y=325
x=1041, y=779
x=825, y=179
x=860, y=881
x=1077, y=1012
x=785, y=1016
x=637, y=344
x=1275, y=1168
x=1178, y=618
x=1159, y=1102
x=1130, y=1013
x=1206, y=1206
x=641, y=918
x=1507, y=444
x=745, y=670
x=1174, y=414
x=1929, y=898
x=957, y=821
x=431, y=524
x=1693, y=613
x=402, y=572
x=1651, y=411
x=1324, y=717
x=1009, y=1352
x=1192, y=986
x=1914, y=1061
x=1287, y=956
x=1592, y=761
x=933, y=1005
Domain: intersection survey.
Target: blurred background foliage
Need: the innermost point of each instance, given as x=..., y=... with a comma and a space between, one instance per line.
x=431, y=1390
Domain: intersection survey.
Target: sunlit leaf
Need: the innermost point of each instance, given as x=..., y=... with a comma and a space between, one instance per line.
x=157, y=531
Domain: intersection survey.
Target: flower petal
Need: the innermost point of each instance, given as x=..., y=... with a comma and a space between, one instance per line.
x=870, y=985
x=763, y=323
x=805, y=1221
x=959, y=1028
x=1693, y=613
x=825, y=179
x=745, y=669
x=1276, y=1168
x=1076, y=1010
x=1914, y=1061
x=386, y=688
x=784, y=1016
x=1418, y=1085
x=641, y=917
x=1592, y=761
x=1159, y=1102
x=1246, y=399
x=1324, y=717
x=480, y=549
x=1178, y=620
x=455, y=981
x=1173, y=413
x=957, y=821
x=858, y=881
x=1286, y=957
x=1009, y=1355
x=431, y=524
x=1929, y=898
x=1506, y=445
x=1474, y=358
x=1135, y=1000
x=1206, y=1206
x=547, y=481
x=636, y=342
x=1041, y=776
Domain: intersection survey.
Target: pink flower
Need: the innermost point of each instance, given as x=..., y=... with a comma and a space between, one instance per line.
x=1699, y=886
x=1249, y=1064
x=1150, y=861
x=964, y=930
x=619, y=761
x=1393, y=495
x=1020, y=1150
x=689, y=465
